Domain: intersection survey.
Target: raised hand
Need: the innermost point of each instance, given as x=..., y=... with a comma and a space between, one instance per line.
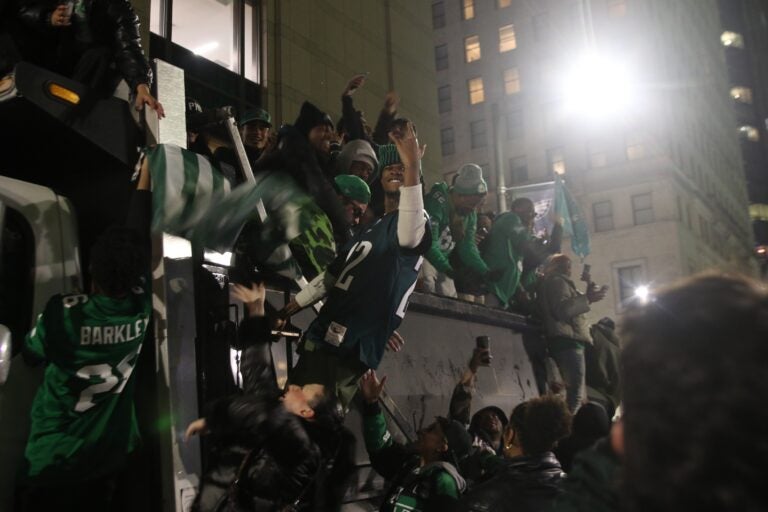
x=371, y=386
x=395, y=343
x=354, y=84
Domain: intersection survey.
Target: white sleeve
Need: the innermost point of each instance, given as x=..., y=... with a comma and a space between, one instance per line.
x=411, y=219
x=315, y=290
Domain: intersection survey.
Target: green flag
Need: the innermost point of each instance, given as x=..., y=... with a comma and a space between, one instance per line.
x=265, y=219
x=574, y=223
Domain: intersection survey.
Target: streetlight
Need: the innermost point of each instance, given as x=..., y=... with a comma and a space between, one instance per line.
x=642, y=293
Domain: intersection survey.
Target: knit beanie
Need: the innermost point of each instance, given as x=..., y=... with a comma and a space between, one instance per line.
x=388, y=155
x=353, y=188
x=309, y=117
x=356, y=151
x=469, y=181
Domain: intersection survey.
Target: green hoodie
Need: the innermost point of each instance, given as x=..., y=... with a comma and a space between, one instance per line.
x=440, y=209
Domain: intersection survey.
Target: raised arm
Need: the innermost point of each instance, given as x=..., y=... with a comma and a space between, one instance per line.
x=411, y=222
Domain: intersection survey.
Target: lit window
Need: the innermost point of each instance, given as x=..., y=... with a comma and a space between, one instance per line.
x=742, y=94
x=511, y=81
x=749, y=133
x=444, y=99
x=441, y=57
x=630, y=277
x=476, y=91
x=642, y=209
x=507, y=39
x=603, y=214
x=503, y=3
x=556, y=160
x=207, y=28
x=515, y=124
x=472, y=48
x=732, y=39
x=250, y=45
x=438, y=15
x=477, y=134
x=617, y=8
x=519, y=169
x=446, y=141
x=467, y=9
x=635, y=147
x=598, y=155
x=758, y=211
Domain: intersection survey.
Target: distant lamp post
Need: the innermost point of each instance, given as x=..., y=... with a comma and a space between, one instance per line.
x=597, y=88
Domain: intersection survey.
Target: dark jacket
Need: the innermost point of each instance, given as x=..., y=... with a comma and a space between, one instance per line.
x=288, y=459
x=109, y=23
x=592, y=484
x=526, y=483
x=602, y=361
x=432, y=488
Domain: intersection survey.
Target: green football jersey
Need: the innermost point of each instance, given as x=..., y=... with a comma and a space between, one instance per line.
x=83, y=419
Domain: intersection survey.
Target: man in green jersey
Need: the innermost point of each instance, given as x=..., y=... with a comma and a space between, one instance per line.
x=453, y=218
x=83, y=419
x=369, y=283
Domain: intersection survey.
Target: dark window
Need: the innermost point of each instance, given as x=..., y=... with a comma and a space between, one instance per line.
x=444, y=99
x=519, y=169
x=446, y=141
x=441, y=57
x=438, y=15
x=642, y=209
x=477, y=134
x=630, y=277
x=603, y=213
x=515, y=124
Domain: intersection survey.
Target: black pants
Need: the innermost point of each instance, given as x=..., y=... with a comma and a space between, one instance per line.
x=93, y=496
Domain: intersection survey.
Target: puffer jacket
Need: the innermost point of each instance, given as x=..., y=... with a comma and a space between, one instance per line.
x=111, y=23
x=563, y=309
x=525, y=483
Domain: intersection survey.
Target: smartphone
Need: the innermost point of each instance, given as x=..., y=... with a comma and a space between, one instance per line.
x=485, y=342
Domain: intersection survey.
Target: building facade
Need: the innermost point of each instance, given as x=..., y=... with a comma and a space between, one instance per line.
x=278, y=53
x=629, y=100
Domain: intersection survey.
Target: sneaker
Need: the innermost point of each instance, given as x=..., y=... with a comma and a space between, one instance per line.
x=8, y=89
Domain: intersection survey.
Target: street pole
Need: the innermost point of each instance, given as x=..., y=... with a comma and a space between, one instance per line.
x=497, y=117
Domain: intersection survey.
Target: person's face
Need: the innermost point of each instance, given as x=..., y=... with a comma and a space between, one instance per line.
x=392, y=178
x=431, y=441
x=360, y=169
x=320, y=138
x=490, y=422
x=466, y=203
x=353, y=210
x=527, y=214
x=256, y=134
x=297, y=399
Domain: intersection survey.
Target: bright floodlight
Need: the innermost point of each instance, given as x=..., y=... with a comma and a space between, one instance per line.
x=598, y=86
x=642, y=293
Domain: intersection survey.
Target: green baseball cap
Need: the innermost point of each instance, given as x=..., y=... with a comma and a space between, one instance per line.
x=256, y=114
x=353, y=188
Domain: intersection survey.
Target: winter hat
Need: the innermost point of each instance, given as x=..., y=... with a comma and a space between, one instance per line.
x=256, y=115
x=309, y=117
x=388, y=155
x=356, y=151
x=459, y=440
x=353, y=188
x=496, y=410
x=469, y=181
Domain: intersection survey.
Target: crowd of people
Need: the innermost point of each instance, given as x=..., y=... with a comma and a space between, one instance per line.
x=689, y=434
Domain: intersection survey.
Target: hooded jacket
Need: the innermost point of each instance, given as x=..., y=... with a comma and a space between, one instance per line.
x=525, y=483
x=602, y=360
x=431, y=488
x=563, y=309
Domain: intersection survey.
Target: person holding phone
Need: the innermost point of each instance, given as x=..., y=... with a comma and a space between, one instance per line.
x=564, y=311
